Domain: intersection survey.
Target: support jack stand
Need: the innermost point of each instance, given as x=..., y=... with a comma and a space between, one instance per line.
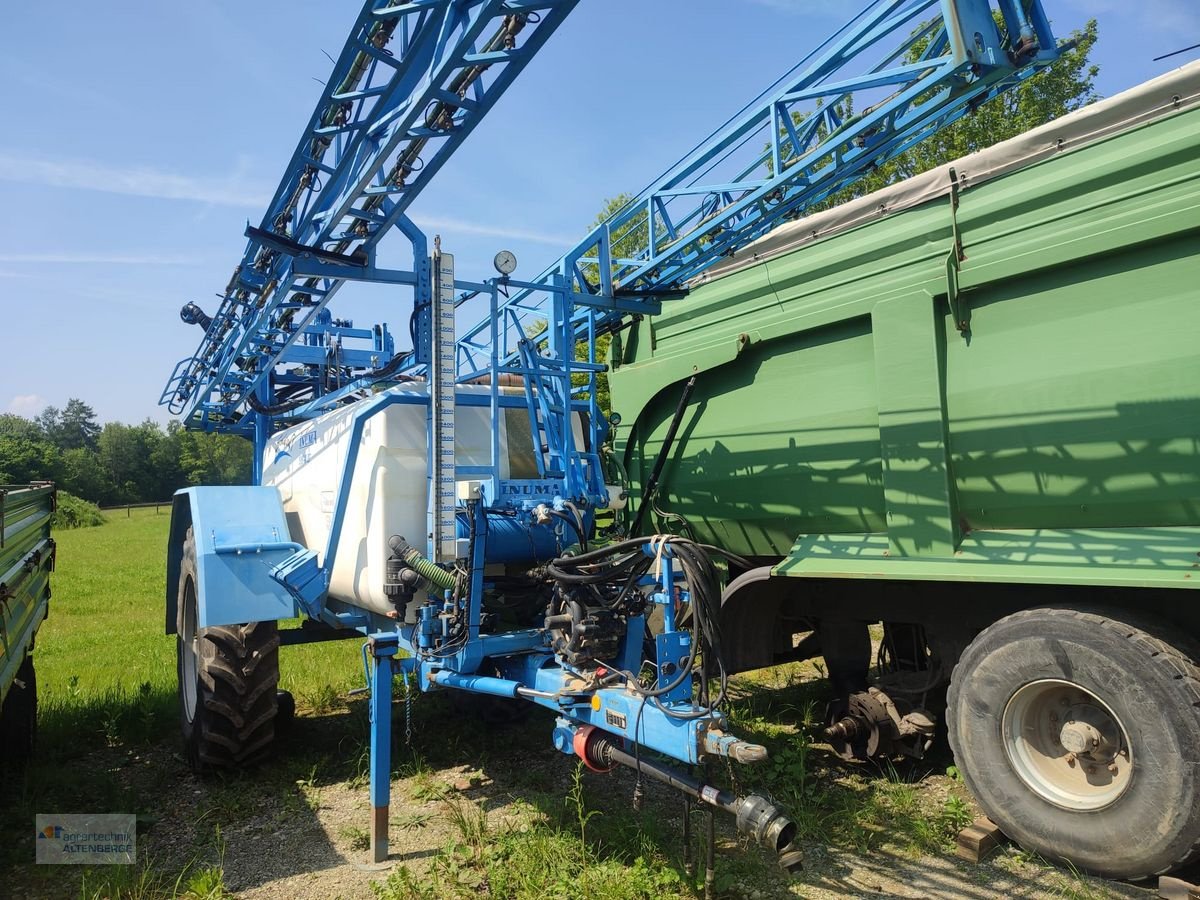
x=382, y=648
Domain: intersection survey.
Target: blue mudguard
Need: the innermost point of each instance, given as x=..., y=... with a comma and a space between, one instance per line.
x=240, y=534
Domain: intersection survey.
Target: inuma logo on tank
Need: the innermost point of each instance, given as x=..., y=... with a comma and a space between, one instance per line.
x=521, y=490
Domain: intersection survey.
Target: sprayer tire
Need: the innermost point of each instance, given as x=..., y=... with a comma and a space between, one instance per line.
x=228, y=678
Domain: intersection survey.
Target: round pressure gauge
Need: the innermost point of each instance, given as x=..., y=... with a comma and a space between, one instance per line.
x=505, y=262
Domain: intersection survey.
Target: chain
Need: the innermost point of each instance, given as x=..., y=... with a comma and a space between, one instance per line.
x=733, y=779
x=408, y=705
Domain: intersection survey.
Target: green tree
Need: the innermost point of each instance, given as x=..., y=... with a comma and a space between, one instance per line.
x=165, y=473
x=1063, y=87
x=116, y=463
x=124, y=452
x=20, y=427
x=72, y=428
x=79, y=426
x=81, y=473
x=47, y=422
x=634, y=236
x=23, y=460
x=215, y=458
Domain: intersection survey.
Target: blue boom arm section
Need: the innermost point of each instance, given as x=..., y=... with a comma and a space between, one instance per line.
x=898, y=72
x=413, y=80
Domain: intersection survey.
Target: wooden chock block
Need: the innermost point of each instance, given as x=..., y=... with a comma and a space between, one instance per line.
x=1177, y=889
x=978, y=840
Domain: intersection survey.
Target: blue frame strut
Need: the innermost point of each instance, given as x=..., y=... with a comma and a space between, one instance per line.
x=526, y=669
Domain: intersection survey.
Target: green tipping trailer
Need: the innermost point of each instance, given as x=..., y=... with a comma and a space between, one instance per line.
x=26, y=561
x=968, y=407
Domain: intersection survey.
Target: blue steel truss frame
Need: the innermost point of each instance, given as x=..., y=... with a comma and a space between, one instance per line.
x=820, y=128
x=413, y=80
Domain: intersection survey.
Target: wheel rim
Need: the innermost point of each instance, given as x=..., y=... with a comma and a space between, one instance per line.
x=189, y=645
x=1067, y=745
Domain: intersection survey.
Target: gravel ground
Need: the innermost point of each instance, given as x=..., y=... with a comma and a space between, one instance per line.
x=286, y=832
x=312, y=859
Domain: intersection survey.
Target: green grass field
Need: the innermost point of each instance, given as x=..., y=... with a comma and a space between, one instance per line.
x=106, y=677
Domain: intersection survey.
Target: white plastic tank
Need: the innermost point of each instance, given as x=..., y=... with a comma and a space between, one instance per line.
x=389, y=490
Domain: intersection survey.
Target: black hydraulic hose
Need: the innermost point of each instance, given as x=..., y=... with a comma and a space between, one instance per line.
x=570, y=520
x=663, y=452
x=668, y=775
x=601, y=552
x=276, y=409
x=755, y=815
x=391, y=366
x=698, y=572
x=555, y=571
x=735, y=558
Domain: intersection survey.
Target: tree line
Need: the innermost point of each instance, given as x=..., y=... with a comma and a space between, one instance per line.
x=115, y=463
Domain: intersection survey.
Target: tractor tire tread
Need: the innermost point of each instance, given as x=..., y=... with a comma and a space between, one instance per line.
x=237, y=674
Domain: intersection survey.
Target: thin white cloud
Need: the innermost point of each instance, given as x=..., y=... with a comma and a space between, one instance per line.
x=116, y=259
x=137, y=181
x=229, y=191
x=27, y=404
x=432, y=223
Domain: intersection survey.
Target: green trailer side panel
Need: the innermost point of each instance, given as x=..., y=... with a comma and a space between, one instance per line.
x=838, y=402
x=26, y=560
x=1095, y=422
x=1120, y=557
x=818, y=427
x=908, y=341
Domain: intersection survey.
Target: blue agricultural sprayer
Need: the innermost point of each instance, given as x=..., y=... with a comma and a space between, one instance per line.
x=441, y=501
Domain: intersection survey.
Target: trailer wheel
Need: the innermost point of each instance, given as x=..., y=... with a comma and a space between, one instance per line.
x=1078, y=731
x=228, y=676
x=18, y=719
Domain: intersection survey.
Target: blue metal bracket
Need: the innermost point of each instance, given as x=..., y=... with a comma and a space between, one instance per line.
x=304, y=579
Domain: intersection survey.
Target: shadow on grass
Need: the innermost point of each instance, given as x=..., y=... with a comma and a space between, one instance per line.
x=118, y=751
x=76, y=765
x=554, y=830
x=560, y=827
x=854, y=808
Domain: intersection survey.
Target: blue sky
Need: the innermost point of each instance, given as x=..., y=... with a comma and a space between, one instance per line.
x=141, y=138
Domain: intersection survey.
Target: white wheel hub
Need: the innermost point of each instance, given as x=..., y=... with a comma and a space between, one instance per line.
x=1067, y=745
